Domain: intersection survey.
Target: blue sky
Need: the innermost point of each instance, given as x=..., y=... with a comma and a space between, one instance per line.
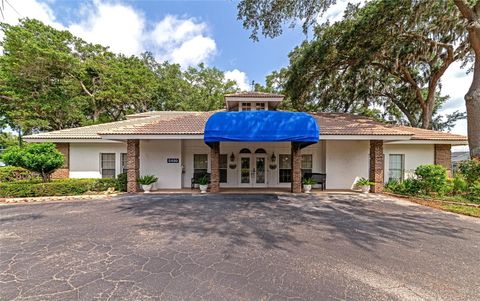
x=190, y=32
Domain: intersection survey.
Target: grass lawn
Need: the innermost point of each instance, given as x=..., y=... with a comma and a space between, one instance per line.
x=460, y=209
x=466, y=210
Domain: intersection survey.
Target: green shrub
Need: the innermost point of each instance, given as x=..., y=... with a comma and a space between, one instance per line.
x=122, y=182
x=42, y=158
x=474, y=192
x=470, y=170
x=13, y=173
x=103, y=184
x=55, y=187
x=432, y=178
x=407, y=187
x=459, y=184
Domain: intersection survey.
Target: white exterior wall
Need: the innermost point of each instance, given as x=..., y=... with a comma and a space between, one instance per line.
x=85, y=158
x=415, y=155
x=191, y=147
x=345, y=161
x=153, y=161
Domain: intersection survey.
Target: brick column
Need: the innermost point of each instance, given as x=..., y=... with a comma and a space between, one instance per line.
x=133, y=164
x=443, y=156
x=215, y=167
x=64, y=171
x=376, y=165
x=296, y=155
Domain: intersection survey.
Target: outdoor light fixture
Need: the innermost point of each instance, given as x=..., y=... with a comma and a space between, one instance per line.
x=232, y=157
x=274, y=158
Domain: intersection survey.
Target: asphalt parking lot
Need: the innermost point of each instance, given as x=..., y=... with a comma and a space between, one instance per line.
x=237, y=247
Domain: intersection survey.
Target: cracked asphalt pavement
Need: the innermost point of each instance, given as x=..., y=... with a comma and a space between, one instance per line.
x=237, y=247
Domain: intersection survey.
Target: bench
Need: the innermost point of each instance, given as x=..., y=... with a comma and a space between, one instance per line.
x=320, y=178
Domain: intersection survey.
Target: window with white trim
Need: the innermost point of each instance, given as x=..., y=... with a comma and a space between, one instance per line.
x=260, y=106
x=200, y=163
x=396, y=167
x=107, y=165
x=246, y=106
x=123, y=163
x=284, y=168
x=223, y=168
x=307, y=164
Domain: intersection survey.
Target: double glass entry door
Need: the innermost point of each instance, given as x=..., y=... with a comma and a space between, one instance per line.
x=253, y=172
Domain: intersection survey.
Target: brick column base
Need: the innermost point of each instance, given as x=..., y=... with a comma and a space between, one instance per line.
x=443, y=156
x=376, y=165
x=215, y=167
x=133, y=164
x=296, y=155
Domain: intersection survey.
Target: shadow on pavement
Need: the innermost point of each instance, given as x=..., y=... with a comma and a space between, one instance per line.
x=276, y=221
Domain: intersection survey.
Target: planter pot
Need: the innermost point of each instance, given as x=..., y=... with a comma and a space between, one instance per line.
x=365, y=188
x=232, y=166
x=203, y=188
x=147, y=188
x=307, y=188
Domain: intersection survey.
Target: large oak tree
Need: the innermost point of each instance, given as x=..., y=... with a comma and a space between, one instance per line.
x=269, y=17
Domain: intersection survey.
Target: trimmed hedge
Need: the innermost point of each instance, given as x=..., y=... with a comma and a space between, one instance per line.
x=55, y=188
x=13, y=173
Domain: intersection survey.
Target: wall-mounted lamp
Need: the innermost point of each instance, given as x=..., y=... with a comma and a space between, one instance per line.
x=274, y=158
x=232, y=157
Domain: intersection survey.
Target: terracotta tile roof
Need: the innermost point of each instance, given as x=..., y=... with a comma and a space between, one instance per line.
x=254, y=94
x=193, y=123
x=348, y=124
x=423, y=134
x=187, y=123
x=86, y=132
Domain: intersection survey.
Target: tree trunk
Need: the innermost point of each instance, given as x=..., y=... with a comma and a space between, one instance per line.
x=472, y=98
x=427, y=114
x=472, y=101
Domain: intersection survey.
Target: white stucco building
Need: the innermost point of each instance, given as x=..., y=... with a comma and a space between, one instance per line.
x=171, y=146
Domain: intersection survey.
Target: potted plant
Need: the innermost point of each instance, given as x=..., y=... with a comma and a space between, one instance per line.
x=203, y=184
x=147, y=182
x=307, y=184
x=364, y=184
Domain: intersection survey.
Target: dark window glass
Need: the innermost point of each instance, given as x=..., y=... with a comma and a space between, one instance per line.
x=285, y=169
x=396, y=167
x=223, y=168
x=107, y=165
x=307, y=164
x=124, y=162
x=200, y=163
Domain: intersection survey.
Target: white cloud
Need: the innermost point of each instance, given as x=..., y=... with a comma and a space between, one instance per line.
x=124, y=29
x=455, y=83
x=115, y=25
x=239, y=77
x=182, y=40
x=33, y=9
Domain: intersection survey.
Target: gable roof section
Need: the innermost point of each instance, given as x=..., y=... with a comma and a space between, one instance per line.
x=193, y=123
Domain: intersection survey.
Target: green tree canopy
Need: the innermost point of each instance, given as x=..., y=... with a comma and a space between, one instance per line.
x=42, y=158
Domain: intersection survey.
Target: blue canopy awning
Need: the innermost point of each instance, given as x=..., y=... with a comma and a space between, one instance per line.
x=261, y=126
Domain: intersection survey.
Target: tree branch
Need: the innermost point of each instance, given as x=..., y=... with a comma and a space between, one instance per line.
x=465, y=9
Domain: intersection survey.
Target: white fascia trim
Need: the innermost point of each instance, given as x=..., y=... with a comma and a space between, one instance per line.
x=253, y=99
x=364, y=137
x=151, y=137
x=57, y=140
x=452, y=142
